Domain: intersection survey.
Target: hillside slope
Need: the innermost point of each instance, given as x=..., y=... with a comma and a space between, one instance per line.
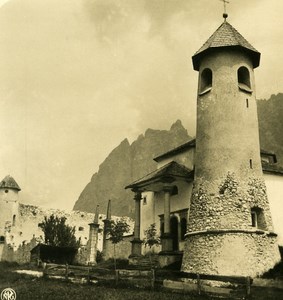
x=270, y=115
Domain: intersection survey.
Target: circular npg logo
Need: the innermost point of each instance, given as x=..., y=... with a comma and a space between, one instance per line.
x=8, y=294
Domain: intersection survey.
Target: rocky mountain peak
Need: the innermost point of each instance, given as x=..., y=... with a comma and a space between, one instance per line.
x=125, y=164
x=177, y=126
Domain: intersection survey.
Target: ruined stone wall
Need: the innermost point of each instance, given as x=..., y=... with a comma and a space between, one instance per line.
x=20, y=254
x=122, y=249
x=81, y=257
x=26, y=229
x=31, y=216
x=26, y=233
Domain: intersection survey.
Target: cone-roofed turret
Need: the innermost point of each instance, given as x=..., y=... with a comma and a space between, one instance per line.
x=226, y=36
x=9, y=183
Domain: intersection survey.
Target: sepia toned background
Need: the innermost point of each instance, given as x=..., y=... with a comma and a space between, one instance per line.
x=79, y=76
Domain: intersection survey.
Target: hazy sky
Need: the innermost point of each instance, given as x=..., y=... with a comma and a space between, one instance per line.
x=79, y=76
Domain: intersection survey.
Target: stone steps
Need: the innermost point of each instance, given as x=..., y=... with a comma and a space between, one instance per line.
x=144, y=262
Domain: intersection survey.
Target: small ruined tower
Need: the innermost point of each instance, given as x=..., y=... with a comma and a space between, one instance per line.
x=230, y=230
x=93, y=239
x=9, y=204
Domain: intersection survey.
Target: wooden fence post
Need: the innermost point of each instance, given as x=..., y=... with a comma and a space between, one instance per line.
x=198, y=284
x=248, y=286
x=88, y=274
x=67, y=272
x=152, y=278
x=44, y=266
x=116, y=276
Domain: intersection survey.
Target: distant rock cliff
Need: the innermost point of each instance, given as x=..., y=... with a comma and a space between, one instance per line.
x=270, y=116
x=125, y=164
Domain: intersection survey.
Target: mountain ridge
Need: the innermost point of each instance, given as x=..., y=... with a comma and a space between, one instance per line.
x=129, y=162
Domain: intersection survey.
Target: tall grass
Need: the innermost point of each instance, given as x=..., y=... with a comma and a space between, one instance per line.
x=29, y=288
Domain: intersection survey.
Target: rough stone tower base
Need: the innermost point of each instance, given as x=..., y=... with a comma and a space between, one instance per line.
x=230, y=253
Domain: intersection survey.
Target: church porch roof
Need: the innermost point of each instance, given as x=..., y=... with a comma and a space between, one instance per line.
x=166, y=174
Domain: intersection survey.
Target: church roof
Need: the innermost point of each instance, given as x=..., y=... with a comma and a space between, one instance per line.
x=271, y=168
x=179, y=149
x=167, y=173
x=270, y=154
x=266, y=167
x=226, y=36
x=10, y=183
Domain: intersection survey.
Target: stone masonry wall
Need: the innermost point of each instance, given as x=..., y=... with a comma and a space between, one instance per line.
x=31, y=216
x=246, y=254
x=123, y=249
x=21, y=254
x=227, y=204
x=221, y=238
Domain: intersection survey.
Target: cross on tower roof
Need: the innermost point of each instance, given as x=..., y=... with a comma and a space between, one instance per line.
x=225, y=15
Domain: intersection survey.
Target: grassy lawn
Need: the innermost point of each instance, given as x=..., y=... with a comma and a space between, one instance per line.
x=28, y=287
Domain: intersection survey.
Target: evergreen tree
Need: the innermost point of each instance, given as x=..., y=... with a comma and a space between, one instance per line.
x=58, y=233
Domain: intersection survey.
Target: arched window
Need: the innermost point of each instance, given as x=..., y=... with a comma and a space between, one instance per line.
x=257, y=218
x=144, y=200
x=244, y=81
x=183, y=228
x=174, y=190
x=2, y=239
x=205, y=81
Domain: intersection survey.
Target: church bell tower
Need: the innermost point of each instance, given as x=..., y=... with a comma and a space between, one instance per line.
x=230, y=230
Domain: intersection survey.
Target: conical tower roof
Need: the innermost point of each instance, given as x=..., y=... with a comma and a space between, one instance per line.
x=9, y=183
x=226, y=36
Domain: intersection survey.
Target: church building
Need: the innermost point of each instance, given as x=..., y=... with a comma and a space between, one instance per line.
x=213, y=198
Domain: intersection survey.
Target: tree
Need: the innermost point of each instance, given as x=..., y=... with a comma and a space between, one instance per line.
x=151, y=239
x=116, y=233
x=58, y=233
